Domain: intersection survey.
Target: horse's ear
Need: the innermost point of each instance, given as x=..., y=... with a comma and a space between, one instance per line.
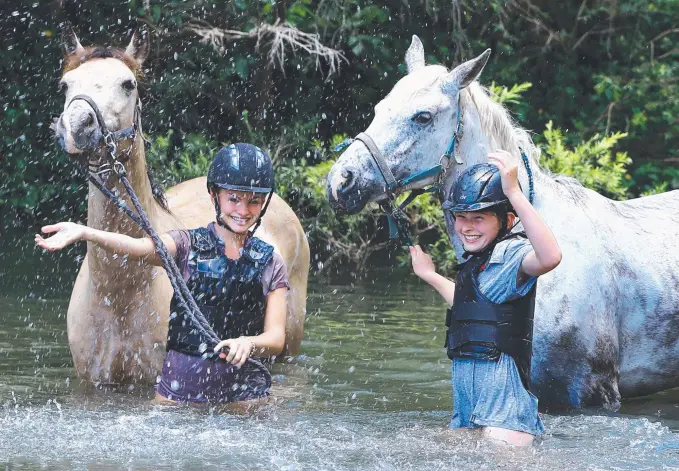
x=415, y=55
x=464, y=74
x=70, y=41
x=139, y=45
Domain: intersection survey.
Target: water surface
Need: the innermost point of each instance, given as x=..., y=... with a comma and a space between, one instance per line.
x=371, y=391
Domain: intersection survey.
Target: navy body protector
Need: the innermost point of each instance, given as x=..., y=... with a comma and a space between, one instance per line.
x=228, y=292
x=474, y=321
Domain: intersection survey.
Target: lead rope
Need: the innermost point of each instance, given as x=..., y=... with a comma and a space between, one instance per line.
x=529, y=171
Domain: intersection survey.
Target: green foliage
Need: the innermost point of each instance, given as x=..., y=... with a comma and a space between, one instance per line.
x=596, y=69
x=508, y=96
x=172, y=165
x=593, y=162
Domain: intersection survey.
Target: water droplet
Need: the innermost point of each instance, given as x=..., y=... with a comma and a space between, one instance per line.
x=174, y=385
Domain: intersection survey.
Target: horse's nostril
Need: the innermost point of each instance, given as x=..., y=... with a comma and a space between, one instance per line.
x=90, y=120
x=348, y=179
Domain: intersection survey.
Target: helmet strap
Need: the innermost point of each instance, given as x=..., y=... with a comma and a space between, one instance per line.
x=261, y=215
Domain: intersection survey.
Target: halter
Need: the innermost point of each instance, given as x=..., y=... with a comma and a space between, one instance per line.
x=434, y=177
x=110, y=138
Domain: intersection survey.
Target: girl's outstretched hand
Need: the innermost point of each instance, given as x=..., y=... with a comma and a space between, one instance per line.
x=423, y=265
x=66, y=234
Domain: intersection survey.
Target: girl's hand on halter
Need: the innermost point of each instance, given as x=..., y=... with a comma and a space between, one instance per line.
x=66, y=234
x=240, y=349
x=508, y=172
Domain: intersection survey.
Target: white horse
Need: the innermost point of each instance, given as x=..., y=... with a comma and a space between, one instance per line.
x=118, y=313
x=607, y=319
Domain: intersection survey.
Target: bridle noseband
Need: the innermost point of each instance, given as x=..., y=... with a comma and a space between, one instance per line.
x=110, y=139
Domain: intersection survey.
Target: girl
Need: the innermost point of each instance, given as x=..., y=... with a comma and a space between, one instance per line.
x=490, y=321
x=237, y=280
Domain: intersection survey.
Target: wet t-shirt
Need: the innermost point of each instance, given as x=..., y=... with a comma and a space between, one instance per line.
x=274, y=276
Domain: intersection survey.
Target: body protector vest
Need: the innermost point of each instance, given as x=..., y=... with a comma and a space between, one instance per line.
x=475, y=320
x=228, y=292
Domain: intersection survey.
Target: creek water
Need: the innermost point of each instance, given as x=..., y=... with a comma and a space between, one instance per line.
x=370, y=391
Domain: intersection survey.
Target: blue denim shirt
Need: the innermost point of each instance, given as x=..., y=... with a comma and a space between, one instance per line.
x=497, y=281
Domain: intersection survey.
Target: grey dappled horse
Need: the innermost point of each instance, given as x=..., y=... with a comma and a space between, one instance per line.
x=607, y=319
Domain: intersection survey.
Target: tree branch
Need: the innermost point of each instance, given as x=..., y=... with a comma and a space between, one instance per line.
x=280, y=37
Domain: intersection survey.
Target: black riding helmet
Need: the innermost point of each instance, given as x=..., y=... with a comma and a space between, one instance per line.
x=241, y=167
x=479, y=188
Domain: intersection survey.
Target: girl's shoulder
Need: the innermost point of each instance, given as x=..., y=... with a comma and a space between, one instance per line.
x=509, y=249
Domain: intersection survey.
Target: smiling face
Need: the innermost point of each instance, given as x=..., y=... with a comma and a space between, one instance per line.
x=240, y=209
x=478, y=229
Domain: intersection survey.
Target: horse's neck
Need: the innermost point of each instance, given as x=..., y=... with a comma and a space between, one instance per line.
x=105, y=215
x=475, y=146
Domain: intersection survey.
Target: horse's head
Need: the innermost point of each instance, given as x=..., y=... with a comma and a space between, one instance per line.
x=412, y=128
x=108, y=78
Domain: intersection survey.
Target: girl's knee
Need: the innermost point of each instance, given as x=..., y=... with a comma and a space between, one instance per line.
x=511, y=437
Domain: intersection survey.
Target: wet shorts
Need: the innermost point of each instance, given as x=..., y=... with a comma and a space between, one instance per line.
x=490, y=393
x=187, y=378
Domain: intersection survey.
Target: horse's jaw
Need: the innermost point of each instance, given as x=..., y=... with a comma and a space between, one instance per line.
x=351, y=205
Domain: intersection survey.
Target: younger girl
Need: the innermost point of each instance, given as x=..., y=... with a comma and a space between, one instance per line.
x=490, y=321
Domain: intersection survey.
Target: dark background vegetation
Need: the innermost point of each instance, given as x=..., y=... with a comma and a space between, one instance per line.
x=595, y=68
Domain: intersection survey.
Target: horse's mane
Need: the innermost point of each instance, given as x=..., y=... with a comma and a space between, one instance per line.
x=503, y=131
x=498, y=125
x=73, y=61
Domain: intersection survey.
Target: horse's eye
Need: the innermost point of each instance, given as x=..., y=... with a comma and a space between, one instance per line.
x=423, y=117
x=63, y=87
x=129, y=85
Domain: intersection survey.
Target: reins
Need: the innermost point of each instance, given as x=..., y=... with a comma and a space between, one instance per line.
x=184, y=297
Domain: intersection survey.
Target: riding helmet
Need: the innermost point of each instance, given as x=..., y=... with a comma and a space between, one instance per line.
x=478, y=188
x=241, y=167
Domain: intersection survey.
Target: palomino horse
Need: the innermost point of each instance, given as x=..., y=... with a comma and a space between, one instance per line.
x=607, y=319
x=117, y=316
